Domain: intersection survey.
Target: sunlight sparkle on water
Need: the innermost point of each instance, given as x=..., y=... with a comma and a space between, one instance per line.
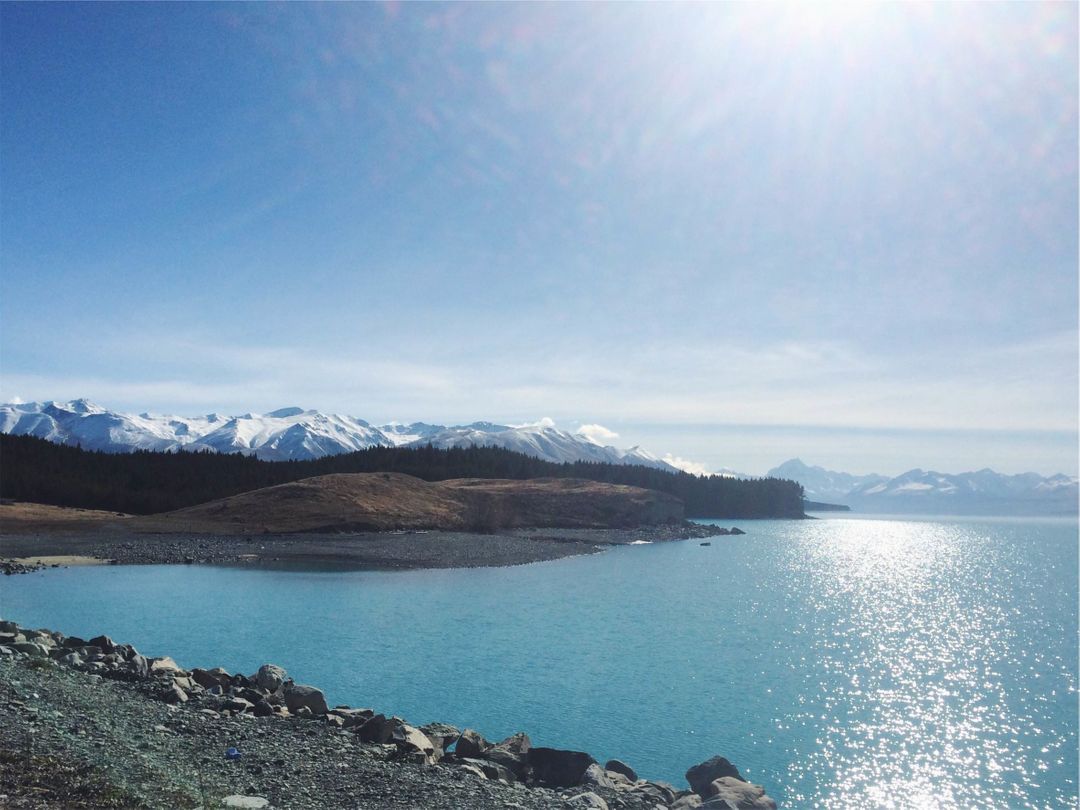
x=924, y=663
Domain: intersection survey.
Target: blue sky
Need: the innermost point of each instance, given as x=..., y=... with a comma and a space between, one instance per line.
x=735, y=233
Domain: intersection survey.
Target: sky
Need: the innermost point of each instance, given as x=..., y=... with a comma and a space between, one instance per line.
x=732, y=233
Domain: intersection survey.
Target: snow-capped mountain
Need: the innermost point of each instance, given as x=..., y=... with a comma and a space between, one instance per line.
x=929, y=492
x=821, y=484
x=541, y=440
x=291, y=433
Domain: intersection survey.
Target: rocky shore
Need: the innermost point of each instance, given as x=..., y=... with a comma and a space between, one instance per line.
x=368, y=550
x=89, y=723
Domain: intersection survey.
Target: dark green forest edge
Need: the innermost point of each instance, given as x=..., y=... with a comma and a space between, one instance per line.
x=146, y=482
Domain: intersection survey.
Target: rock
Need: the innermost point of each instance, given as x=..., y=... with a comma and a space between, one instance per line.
x=8, y=627
x=299, y=696
x=138, y=666
x=468, y=767
x=174, y=694
x=163, y=664
x=74, y=642
x=730, y=793
x=208, y=678
x=691, y=802
x=262, y=709
x=471, y=744
x=271, y=677
x=621, y=767
x=377, y=729
x=595, y=776
x=558, y=768
x=413, y=744
x=30, y=648
x=703, y=774
x=249, y=802
x=511, y=753
x=237, y=704
x=354, y=717
x=659, y=792
x=491, y=770
x=442, y=736
x=105, y=643
x=587, y=800
x=738, y=531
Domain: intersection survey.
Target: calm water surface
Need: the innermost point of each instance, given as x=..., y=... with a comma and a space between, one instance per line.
x=840, y=662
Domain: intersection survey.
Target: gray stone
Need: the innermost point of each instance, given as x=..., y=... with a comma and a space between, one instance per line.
x=30, y=648
x=271, y=677
x=511, y=753
x=621, y=767
x=105, y=643
x=703, y=774
x=442, y=736
x=492, y=770
x=163, y=664
x=209, y=678
x=411, y=741
x=729, y=793
x=246, y=802
x=588, y=801
x=471, y=744
x=691, y=802
x=8, y=627
x=238, y=704
x=559, y=768
x=377, y=729
x=298, y=696
x=174, y=694
x=596, y=776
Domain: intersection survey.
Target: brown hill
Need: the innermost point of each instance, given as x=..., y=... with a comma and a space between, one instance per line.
x=388, y=501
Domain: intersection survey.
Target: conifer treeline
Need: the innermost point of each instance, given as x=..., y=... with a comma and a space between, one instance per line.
x=146, y=482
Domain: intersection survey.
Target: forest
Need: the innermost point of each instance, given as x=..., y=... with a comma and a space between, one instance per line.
x=145, y=482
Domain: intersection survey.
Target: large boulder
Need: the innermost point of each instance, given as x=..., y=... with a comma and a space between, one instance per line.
x=471, y=744
x=106, y=644
x=491, y=770
x=271, y=677
x=163, y=664
x=30, y=648
x=413, y=744
x=557, y=768
x=595, y=776
x=621, y=767
x=702, y=775
x=512, y=753
x=729, y=793
x=442, y=736
x=209, y=678
x=298, y=696
x=378, y=729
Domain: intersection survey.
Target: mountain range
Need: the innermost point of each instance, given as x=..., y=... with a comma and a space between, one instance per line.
x=293, y=434
x=929, y=492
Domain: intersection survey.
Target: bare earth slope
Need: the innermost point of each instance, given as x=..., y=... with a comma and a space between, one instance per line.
x=389, y=501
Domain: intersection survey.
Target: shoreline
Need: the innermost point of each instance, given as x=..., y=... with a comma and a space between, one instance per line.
x=92, y=723
x=398, y=550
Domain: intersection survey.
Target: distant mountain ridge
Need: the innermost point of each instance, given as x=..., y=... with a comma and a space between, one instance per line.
x=292, y=434
x=983, y=492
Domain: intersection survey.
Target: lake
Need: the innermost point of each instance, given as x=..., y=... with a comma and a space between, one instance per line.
x=840, y=662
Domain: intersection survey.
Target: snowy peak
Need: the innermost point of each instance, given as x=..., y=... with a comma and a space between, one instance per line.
x=928, y=491
x=292, y=433
x=821, y=484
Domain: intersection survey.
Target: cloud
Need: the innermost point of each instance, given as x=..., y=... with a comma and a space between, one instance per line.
x=543, y=422
x=687, y=465
x=598, y=434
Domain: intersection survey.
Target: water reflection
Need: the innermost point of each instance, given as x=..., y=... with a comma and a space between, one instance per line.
x=916, y=671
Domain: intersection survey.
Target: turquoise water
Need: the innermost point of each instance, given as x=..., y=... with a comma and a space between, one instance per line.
x=840, y=662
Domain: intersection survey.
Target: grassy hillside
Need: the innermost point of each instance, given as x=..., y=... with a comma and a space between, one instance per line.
x=147, y=483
